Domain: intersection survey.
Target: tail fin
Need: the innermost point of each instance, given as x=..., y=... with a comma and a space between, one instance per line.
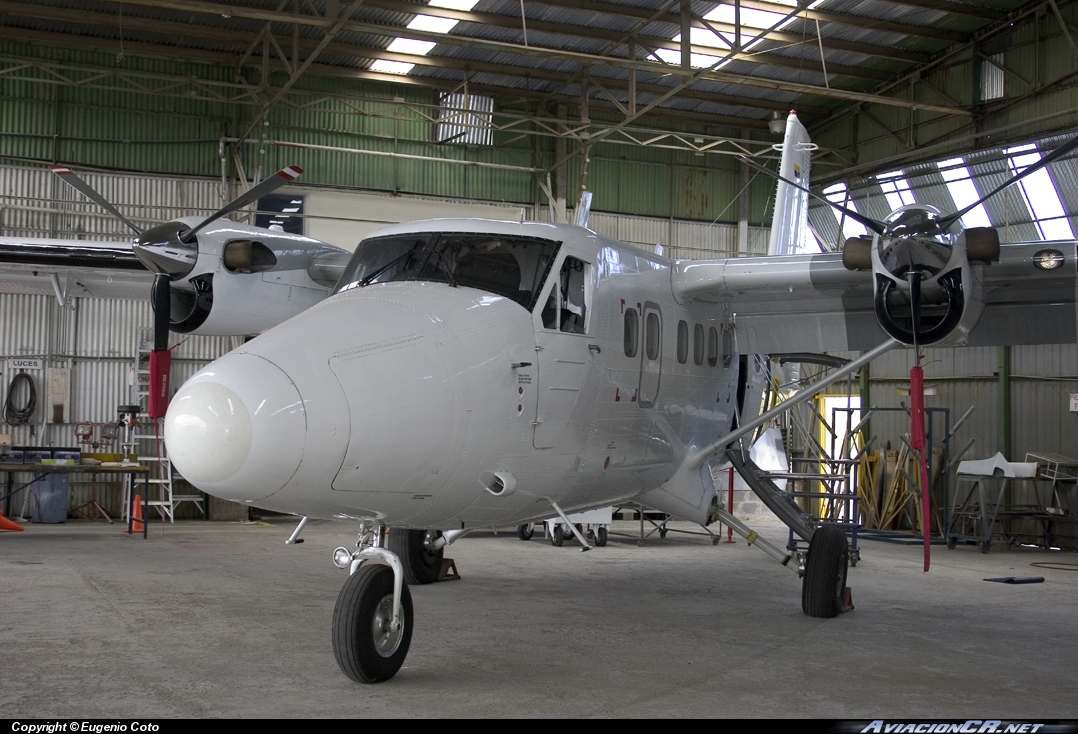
x=790, y=223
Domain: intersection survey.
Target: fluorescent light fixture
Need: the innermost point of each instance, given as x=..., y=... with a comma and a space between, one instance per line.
x=291, y=209
x=963, y=192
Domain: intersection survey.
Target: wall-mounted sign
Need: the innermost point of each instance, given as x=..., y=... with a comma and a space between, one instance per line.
x=24, y=364
x=1074, y=402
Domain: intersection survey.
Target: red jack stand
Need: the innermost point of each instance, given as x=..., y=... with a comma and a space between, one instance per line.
x=449, y=571
x=847, y=600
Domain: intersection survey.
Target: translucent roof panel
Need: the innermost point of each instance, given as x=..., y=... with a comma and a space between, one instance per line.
x=963, y=192
x=838, y=194
x=1040, y=194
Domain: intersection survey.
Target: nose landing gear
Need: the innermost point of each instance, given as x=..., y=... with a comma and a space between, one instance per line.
x=368, y=646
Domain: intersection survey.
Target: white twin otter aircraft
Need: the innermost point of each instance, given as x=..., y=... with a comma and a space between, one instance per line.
x=472, y=373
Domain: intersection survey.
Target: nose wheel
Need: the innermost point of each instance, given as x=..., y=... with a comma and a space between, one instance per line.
x=369, y=648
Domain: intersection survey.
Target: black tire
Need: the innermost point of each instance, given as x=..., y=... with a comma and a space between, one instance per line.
x=662, y=533
x=365, y=599
x=952, y=542
x=420, y=565
x=557, y=536
x=525, y=532
x=824, y=586
x=600, y=537
x=986, y=546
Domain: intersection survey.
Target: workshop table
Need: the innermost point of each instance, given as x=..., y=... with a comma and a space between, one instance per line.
x=42, y=470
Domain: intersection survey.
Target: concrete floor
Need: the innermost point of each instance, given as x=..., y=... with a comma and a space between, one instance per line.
x=217, y=619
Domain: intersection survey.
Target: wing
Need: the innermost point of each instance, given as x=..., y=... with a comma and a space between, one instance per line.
x=811, y=303
x=71, y=267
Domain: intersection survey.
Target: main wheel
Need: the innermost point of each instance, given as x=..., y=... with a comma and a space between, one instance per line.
x=364, y=643
x=557, y=537
x=600, y=537
x=823, y=589
x=421, y=564
x=525, y=532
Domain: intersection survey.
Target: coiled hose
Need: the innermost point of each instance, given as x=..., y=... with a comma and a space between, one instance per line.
x=18, y=416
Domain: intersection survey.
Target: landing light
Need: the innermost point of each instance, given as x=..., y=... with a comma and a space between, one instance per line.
x=1048, y=259
x=342, y=557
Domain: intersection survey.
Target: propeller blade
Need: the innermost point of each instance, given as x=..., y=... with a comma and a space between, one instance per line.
x=872, y=224
x=67, y=175
x=946, y=222
x=284, y=176
x=162, y=306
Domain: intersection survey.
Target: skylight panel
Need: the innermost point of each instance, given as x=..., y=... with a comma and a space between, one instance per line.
x=896, y=189
x=427, y=23
x=673, y=57
x=391, y=67
x=454, y=4
x=1040, y=194
x=431, y=24
x=410, y=46
x=837, y=194
x=752, y=21
x=963, y=192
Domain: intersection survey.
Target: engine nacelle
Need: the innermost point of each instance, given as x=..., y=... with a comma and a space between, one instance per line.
x=247, y=280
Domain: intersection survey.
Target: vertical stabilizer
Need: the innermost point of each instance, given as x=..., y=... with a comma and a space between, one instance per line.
x=790, y=224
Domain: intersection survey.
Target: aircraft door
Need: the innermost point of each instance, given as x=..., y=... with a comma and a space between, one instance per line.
x=565, y=354
x=651, y=355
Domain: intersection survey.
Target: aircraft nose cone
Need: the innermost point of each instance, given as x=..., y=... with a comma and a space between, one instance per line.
x=236, y=429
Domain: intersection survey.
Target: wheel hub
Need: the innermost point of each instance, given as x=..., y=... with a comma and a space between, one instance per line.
x=386, y=639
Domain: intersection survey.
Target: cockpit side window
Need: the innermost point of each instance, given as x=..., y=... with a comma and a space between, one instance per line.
x=508, y=265
x=566, y=307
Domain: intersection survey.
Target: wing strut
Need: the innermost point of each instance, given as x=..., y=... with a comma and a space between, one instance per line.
x=697, y=460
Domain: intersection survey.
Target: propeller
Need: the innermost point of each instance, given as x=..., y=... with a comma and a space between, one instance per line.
x=170, y=251
x=915, y=245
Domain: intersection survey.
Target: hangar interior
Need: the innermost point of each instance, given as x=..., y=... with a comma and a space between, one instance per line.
x=636, y=117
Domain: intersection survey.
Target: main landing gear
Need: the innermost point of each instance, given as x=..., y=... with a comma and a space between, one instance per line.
x=823, y=589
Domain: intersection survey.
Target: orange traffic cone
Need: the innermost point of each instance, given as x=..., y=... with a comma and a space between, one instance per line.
x=6, y=524
x=136, y=517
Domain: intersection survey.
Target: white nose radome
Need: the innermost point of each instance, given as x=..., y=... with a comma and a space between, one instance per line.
x=236, y=429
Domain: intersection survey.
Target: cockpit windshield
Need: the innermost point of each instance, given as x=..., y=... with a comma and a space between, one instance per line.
x=508, y=265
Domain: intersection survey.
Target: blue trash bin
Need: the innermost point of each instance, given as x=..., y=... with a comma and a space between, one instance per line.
x=49, y=498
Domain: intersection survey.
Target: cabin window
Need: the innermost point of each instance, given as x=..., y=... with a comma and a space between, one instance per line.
x=682, y=342
x=506, y=265
x=652, y=335
x=698, y=345
x=727, y=347
x=632, y=329
x=712, y=347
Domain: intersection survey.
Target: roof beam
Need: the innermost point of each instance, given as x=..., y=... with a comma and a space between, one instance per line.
x=241, y=11
x=512, y=21
x=369, y=54
x=977, y=10
x=585, y=59
x=861, y=21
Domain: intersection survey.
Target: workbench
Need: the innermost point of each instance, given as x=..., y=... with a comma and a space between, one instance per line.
x=133, y=471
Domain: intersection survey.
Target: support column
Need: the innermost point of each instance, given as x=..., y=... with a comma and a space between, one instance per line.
x=686, y=36
x=743, y=202
x=1004, y=409
x=865, y=391
x=559, y=171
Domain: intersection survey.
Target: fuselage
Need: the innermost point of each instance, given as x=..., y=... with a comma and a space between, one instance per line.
x=432, y=403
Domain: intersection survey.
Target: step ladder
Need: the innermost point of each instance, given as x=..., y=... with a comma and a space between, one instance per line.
x=149, y=445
